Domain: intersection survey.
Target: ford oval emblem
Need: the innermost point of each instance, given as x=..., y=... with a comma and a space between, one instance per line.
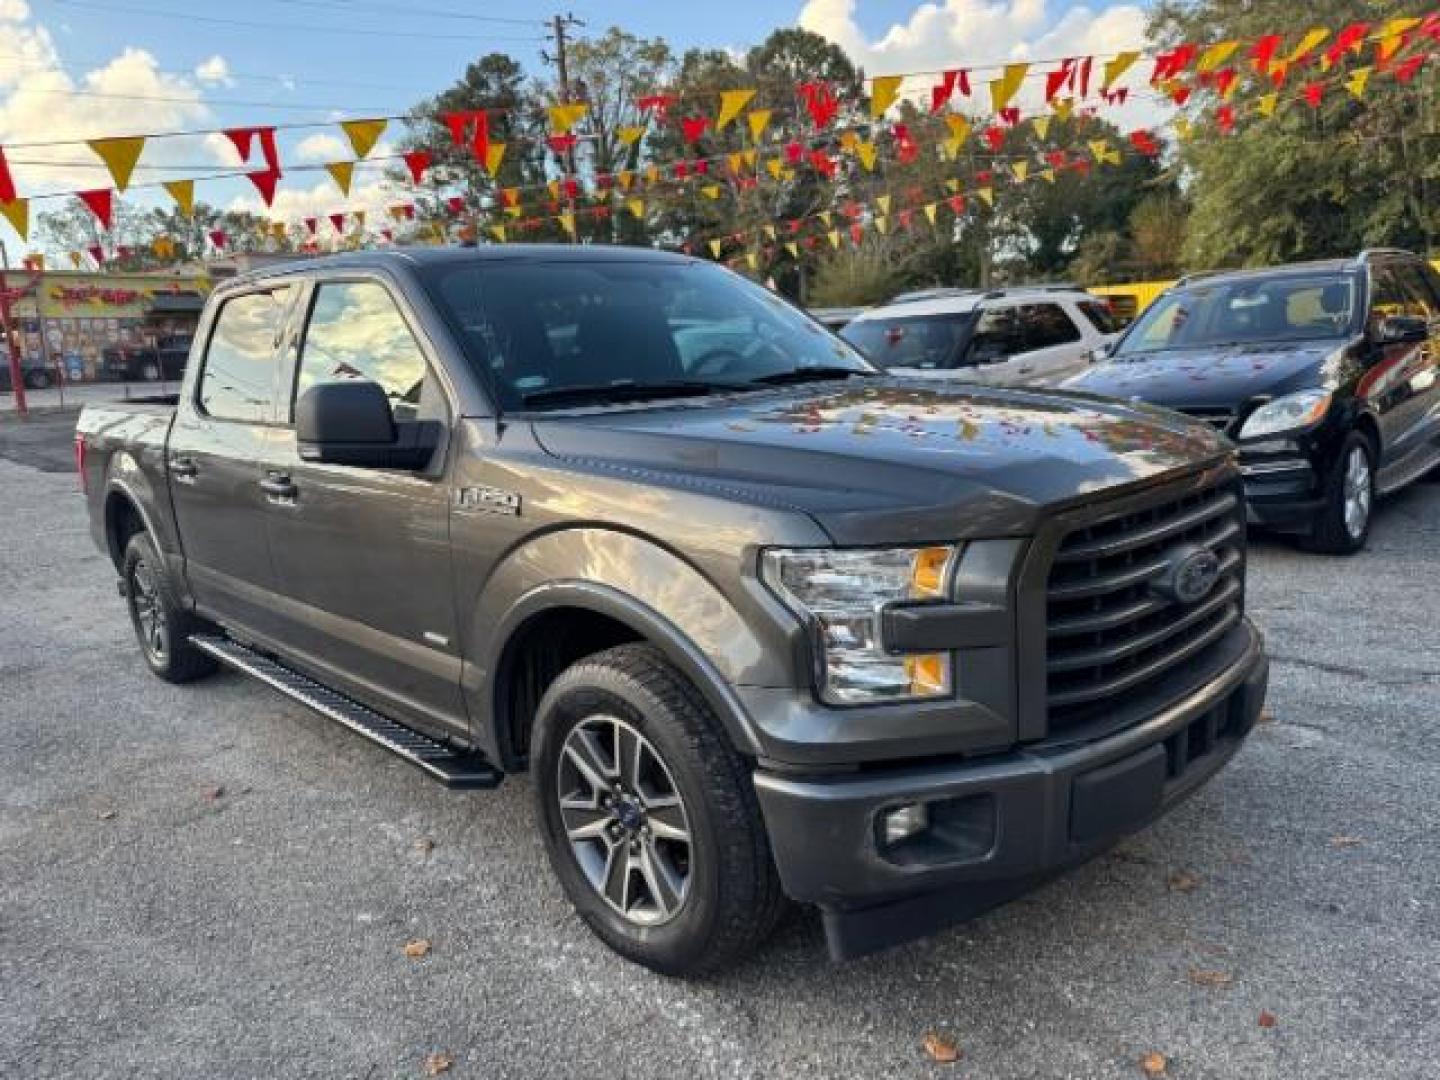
x=1190, y=573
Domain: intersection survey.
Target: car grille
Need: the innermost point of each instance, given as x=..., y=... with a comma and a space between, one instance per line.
x=1109, y=632
x=1219, y=419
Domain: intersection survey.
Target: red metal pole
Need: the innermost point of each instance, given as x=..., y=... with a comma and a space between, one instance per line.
x=12, y=343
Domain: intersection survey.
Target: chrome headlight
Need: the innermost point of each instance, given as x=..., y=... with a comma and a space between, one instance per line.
x=1286, y=413
x=841, y=595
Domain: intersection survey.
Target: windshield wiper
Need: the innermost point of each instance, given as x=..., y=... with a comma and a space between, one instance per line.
x=807, y=374
x=621, y=390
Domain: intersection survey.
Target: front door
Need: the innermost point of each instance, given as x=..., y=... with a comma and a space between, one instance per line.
x=1401, y=382
x=362, y=556
x=221, y=431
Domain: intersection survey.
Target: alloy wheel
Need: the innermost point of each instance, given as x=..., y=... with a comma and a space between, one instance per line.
x=625, y=820
x=148, y=612
x=1358, y=492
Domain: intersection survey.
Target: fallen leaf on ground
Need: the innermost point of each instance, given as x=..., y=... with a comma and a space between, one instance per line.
x=424, y=845
x=1183, y=881
x=1346, y=841
x=215, y=792
x=1266, y=717
x=1154, y=1064
x=437, y=1063
x=107, y=815
x=1267, y=1019
x=417, y=948
x=1206, y=977
x=941, y=1047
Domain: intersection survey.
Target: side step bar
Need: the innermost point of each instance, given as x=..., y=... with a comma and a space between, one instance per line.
x=455, y=768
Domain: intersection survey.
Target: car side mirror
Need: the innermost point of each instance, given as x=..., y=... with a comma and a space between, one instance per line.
x=351, y=423
x=1402, y=330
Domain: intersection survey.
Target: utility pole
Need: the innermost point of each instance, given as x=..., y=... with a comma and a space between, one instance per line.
x=12, y=336
x=558, y=25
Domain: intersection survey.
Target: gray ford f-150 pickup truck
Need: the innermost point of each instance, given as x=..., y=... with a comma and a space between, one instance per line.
x=760, y=621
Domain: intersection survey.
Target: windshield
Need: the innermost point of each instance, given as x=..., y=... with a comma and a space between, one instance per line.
x=539, y=329
x=916, y=341
x=1292, y=307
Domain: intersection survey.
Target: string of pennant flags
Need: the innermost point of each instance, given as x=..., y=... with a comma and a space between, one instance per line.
x=1399, y=48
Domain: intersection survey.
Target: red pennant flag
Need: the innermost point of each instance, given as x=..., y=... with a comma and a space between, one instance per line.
x=1263, y=52
x=1180, y=95
x=693, y=127
x=1224, y=80
x=455, y=204
x=994, y=137
x=1010, y=115
x=857, y=233
x=572, y=188
x=1061, y=76
x=100, y=204
x=265, y=181
x=1056, y=159
x=1314, y=93
x=1406, y=71
x=97, y=253
x=984, y=176
x=682, y=170
x=387, y=234
x=562, y=144
x=794, y=153
x=337, y=222
x=1346, y=40
x=822, y=163
x=906, y=218
x=965, y=81
x=311, y=225
x=656, y=103
x=820, y=102
x=906, y=149
x=218, y=238
x=956, y=203
x=1085, y=66
x=417, y=161
x=7, y=184
x=941, y=95
x=241, y=138
x=702, y=167
x=1144, y=143
x=267, y=147
x=1225, y=117
x=1172, y=63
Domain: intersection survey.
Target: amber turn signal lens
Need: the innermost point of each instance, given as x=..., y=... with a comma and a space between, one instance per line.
x=929, y=571
x=929, y=674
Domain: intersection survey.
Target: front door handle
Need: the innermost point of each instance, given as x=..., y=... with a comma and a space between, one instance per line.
x=183, y=468
x=278, y=486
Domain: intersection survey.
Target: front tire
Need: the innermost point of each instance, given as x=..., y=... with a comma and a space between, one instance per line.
x=1343, y=524
x=162, y=626
x=649, y=815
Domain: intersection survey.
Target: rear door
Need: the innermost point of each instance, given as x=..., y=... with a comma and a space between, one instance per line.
x=1054, y=346
x=995, y=352
x=362, y=556
x=224, y=424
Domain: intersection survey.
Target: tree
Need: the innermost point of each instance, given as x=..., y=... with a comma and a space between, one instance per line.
x=1157, y=235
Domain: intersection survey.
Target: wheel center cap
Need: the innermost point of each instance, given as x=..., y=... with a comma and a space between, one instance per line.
x=629, y=815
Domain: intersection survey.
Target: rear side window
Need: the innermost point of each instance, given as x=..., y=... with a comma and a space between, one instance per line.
x=1420, y=301
x=1100, y=316
x=1046, y=325
x=238, y=380
x=997, y=336
x=357, y=332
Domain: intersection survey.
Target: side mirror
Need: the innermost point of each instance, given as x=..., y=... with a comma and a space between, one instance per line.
x=351, y=423
x=1402, y=330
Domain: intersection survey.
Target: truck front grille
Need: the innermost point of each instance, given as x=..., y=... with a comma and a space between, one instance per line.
x=1111, y=630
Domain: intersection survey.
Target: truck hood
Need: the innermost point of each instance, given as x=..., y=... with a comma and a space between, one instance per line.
x=890, y=460
x=1218, y=377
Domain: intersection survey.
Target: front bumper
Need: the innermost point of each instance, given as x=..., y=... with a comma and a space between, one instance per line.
x=1281, y=493
x=1000, y=824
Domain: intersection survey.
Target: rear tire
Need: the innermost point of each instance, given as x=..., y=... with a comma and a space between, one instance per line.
x=1343, y=524
x=162, y=626
x=612, y=829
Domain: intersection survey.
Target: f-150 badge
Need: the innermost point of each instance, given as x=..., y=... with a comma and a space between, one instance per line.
x=487, y=500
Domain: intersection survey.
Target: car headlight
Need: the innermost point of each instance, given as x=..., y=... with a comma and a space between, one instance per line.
x=841, y=595
x=1286, y=414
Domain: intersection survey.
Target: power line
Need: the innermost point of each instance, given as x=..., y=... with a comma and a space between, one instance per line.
x=407, y=10
x=207, y=102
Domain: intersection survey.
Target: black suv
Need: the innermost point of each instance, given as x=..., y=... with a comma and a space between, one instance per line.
x=1324, y=373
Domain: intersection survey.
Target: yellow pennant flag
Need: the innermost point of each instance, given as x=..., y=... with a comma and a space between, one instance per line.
x=930, y=211
x=752, y=260
x=1063, y=107
x=637, y=208
x=769, y=231
x=825, y=217
x=363, y=134
x=849, y=140
x=1312, y=39
x=750, y=156
x=758, y=120
x=1183, y=128
x=1265, y=104
x=494, y=155
x=397, y=213
x=626, y=178
x=715, y=248
x=988, y=194
x=498, y=231
x=1004, y=89
x=736, y=163
x=652, y=174
x=75, y=259
x=866, y=152
x=1216, y=55
x=554, y=188
x=732, y=102
x=630, y=135
x=1357, y=80
x=183, y=192
x=774, y=167
x=1041, y=126
x=883, y=202
x=1048, y=175
x=1100, y=149
x=953, y=186
x=1021, y=169
x=341, y=172
x=1117, y=66
x=834, y=237
x=120, y=156
x=163, y=247
x=711, y=191
x=567, y=222
x=17, y=212
x=959, y=132
x=884, y=89
x=565, y=117
x=882, y=225
x=515, y=211
x=1391, y=38
x=359, y=216
x=793, y=249
x=278, y=230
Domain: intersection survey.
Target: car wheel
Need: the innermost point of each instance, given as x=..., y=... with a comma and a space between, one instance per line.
x=1343, y=524
x=649, y=815
x=162, y=627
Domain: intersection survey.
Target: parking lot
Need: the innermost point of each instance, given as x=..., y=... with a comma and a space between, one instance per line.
x=209, y=881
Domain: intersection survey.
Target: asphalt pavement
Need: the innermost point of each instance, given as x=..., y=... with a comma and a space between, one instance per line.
x=210, y=882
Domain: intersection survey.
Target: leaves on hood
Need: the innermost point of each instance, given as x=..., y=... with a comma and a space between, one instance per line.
x=107, y=815
x=437, y=1063
x=1183, y=881
x=1154, y=1064
x=424, y=846
x=1267, y=1019
x=1346, y=841
x=941, y=1047
x=1208, y=977
x=214, y=793
x=417, y=947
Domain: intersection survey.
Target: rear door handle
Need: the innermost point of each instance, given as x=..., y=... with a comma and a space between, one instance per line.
x=278, y=486
x=183, y=468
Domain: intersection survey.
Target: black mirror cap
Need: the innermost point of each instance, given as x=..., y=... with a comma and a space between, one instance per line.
x=355, y=411
x=1402, y=330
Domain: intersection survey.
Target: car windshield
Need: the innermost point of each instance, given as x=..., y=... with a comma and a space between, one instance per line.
x=547, y=333
x=1290, y=307
x=914, y=341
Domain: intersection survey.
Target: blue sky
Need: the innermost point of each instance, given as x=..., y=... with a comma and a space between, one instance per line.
x=75, y=69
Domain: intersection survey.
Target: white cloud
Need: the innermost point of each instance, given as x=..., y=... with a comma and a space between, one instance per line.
x=215, y=72
x=322, y=146
x=14, y=11
x=369, y=192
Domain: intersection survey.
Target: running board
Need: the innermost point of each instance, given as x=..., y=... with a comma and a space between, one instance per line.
x=1409, y=472
x=455, y=768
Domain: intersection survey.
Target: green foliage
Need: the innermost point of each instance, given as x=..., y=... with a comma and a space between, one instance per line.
x=856, y=276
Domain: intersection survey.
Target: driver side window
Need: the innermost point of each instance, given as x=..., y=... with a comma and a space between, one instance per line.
x=357, y=332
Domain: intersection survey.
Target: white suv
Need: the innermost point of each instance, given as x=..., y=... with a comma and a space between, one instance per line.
x=1028, y=335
